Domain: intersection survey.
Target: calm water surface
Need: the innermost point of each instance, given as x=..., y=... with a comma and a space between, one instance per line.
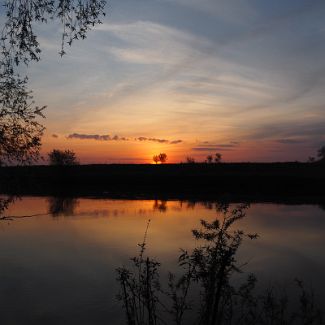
x=58, y=257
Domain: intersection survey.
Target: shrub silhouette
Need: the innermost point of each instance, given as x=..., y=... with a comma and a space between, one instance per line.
x=206, y=275
x=218, y=158
x=190, y=160
x=162, y=157
x=62, y=158
x=209, y=159
x=156, y=159
x=321, y=153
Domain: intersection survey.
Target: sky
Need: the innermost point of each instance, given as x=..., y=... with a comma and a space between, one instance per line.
x=188, y=78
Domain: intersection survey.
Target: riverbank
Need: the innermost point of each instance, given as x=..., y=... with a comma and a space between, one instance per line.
x=264, y=180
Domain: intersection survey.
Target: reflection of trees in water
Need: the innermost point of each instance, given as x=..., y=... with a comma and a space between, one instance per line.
x=204, y=293
x=160, y=205
x=322, y=206
x=58, y=206
x=190, y=204
x=62, y=206
x=209, y=205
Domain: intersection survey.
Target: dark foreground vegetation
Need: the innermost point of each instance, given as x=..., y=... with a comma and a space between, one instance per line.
x=255, y=181
x=205, y=291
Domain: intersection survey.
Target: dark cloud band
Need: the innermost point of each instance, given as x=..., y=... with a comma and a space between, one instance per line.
x=107, y=137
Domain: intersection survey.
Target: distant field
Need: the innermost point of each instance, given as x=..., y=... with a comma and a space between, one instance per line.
x=264, y=181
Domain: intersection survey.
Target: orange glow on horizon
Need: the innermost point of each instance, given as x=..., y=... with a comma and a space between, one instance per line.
x=137, y=152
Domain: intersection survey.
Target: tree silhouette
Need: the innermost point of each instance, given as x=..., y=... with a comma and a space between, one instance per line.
x=156, y=159
x=217, y=158
x=209, y=159
x=311, y=159
x=19, y=41
x=62, y=158
x=162, y=157
x=20, y=131
x=190, y=160
x=321, y=153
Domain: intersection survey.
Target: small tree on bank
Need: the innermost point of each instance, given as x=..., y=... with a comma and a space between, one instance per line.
x=311, y=159
x=62, y=158
x=321, y=154
x=209, y=159
x=218, y=158
x=162, y=158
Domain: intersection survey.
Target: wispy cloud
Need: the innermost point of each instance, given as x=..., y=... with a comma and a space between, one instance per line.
x=210, y=149
x=297, y=130
x=213, y=69
x=290, y=141
x=206, y=146
x=147, y=43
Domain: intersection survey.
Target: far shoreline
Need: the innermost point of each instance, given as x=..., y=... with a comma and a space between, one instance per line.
x=261, y=182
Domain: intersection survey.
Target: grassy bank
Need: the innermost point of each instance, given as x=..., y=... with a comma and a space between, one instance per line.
x=178, y=180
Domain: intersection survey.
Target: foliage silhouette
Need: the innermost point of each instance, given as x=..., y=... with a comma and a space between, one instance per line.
x=209, y=159
x=20, y=129
x=321, y=153
x=162, y=157
x=218, y=158
x=204, y=292
x=156, y=159
x=190, y=160
x=139, y=290
x=20, y=132
x=62, y=158
x=19, y=41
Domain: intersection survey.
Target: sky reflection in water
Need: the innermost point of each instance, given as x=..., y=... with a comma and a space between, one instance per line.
x=59, y=267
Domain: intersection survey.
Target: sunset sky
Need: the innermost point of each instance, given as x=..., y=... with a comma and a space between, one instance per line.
x=189, y=78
